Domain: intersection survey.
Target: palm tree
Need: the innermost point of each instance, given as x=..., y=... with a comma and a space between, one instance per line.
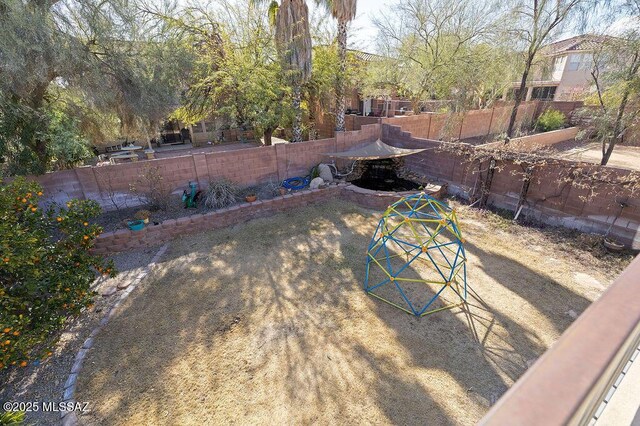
x=293, y=41
x=344, y=11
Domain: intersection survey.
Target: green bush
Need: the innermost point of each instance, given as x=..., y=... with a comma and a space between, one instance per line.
x=550, y=120
x=46, y=269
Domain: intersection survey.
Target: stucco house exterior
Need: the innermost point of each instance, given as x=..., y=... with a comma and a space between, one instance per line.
x=563, y=73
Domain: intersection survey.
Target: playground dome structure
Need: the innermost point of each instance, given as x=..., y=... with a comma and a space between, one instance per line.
x=416, y=260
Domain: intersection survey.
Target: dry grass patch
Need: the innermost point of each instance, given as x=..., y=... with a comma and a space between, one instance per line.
x=267, y=323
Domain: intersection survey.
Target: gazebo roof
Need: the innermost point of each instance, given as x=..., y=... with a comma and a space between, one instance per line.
x=374, y=151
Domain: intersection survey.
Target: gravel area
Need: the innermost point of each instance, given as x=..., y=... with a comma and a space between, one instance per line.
x=117, y=219
x=44, y=383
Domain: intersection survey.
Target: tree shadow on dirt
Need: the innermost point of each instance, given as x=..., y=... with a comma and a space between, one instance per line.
x=267, y=322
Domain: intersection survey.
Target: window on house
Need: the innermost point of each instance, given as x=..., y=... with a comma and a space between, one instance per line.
x=515, y=92
x=587, y=61
x=579, y=61
x=558, y=64
x=543, y=93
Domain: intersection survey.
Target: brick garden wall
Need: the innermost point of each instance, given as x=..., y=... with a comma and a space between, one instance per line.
x=125, y=239
x=244, y=167
x=550, y=198
x=445, y=126
x=471, y=124
x=537, y=141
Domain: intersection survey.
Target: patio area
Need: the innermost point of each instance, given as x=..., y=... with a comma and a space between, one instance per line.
x=267, y=322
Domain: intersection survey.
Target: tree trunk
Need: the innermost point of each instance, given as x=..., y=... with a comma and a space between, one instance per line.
x=340, y=79
x=486, y=184
x=518, y=98
x=526, y=182
x=39, y=144
x=267, y=136
x=617, y=128
x=297, y=119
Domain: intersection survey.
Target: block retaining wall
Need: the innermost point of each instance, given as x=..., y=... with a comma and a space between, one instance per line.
x=537, y=141
x=550, y=199
x=125, y=239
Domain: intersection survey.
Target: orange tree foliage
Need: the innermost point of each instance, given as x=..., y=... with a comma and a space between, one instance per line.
x=46, y=269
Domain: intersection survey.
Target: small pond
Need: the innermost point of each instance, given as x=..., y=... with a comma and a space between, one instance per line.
x=380, y=175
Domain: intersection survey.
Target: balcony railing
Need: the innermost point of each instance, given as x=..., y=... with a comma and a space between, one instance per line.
x=569, y=382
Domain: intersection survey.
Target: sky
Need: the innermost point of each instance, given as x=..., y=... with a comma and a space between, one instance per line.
x=362, y=32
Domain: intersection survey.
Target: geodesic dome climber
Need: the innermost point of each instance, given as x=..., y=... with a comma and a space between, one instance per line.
x=416, y=259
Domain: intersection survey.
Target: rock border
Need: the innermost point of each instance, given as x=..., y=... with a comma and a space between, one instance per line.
x=70, y=418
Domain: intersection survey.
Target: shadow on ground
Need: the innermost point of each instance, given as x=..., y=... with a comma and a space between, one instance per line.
x=267, y=322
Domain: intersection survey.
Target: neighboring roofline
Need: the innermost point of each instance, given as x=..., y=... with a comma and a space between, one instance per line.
x=361, y=54
x=366, y=56
x=573, y=44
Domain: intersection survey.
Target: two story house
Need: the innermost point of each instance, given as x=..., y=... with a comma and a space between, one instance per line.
x=563, y=72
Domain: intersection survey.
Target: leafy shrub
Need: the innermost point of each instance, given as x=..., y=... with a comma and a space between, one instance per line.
x=142, y=215
x=550, y=120
x=220, y=194
x=68, y=149
x=151, y=189
x=46, y=269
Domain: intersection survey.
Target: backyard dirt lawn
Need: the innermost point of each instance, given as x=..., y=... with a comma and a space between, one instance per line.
x=267, y=323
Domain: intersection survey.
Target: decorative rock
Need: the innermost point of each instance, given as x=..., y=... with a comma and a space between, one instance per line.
x=124, y=284
x=324, y=171
x=315, y=183
x=81, y=354
x=109, y=291
x=88, y=343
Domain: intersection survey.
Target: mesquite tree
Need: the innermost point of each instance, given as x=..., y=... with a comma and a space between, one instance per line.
x=101, y=60
x=615, y=74
x=432, y=49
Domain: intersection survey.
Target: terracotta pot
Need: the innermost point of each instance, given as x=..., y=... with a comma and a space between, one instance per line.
x=251, y=198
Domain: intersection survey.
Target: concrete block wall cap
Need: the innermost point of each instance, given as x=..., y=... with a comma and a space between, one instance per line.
x=120, y=233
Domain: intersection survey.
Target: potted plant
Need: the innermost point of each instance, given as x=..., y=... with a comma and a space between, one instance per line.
x=251, y=197
x=136, y=225
x=143, y=215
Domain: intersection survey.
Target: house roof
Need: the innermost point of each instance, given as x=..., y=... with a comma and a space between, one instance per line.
x=365, y=56
x=583, y=42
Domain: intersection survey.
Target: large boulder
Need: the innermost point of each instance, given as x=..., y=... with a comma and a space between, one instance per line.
x=324, y=171
x=315, y=183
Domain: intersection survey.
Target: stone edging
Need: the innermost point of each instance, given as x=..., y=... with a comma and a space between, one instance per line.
x=70, y=418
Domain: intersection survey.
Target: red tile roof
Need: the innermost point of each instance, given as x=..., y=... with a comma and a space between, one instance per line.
x=582, y=42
